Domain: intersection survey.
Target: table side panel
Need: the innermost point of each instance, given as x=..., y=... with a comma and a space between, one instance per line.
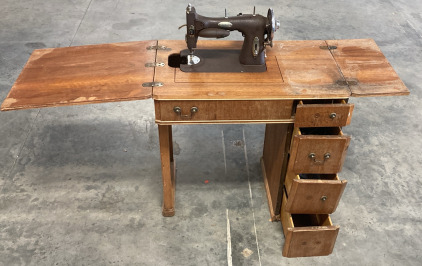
x=274, y=164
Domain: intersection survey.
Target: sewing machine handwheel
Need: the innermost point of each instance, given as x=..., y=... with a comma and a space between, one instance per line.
x=271, y=27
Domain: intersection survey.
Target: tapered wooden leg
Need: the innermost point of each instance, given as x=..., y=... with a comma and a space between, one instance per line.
x=274, y=164
x=167, y=169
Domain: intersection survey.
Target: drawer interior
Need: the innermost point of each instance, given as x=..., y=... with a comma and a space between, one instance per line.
x=320, y=101
x=317, y=177
x=291, y=177
x=319, y=131
x=304, y=220
x=323, y=101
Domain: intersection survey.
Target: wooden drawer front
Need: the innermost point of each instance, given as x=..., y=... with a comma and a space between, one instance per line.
x=165, y=110
x=319, y=154
x=323, y=115
x=266, y=110
x=307, y=234
x=313, y=193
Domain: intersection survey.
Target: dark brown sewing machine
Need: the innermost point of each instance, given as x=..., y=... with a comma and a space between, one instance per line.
x=257, y=30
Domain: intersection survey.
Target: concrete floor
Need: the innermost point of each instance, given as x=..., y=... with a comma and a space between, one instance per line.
x=82, y=185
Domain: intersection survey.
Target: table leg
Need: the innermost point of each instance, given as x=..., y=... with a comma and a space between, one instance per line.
x=167, y=169
x=274, y=164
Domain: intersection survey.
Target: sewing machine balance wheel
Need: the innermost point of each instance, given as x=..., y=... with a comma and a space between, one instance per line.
x=272, y=27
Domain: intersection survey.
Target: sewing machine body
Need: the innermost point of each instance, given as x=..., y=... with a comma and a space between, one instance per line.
x=257, y=30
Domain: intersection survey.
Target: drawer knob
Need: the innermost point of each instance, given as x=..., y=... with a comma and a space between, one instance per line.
x=324, y=198
x=333, y=115
x=314, y=158
x=178, y=111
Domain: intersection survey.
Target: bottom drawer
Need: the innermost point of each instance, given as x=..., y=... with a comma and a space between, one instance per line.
x=307, y=234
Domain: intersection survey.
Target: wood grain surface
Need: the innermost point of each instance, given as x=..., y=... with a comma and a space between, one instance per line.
x=115, y=72
x=219, y=111
x=168, y=169
x=303, y=145
x=320, y=115
x=274, y=164
x=307, y=70
x=366, y=69
x=82, y=75
x=305, y=195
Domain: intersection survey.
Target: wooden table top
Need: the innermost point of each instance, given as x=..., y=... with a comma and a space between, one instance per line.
x=83, y=75
x=115, y=72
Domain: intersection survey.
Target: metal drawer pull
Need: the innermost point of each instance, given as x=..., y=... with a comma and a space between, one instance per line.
x=313, y=156
x=333, y=115
x=178, y=111
x=324, y=198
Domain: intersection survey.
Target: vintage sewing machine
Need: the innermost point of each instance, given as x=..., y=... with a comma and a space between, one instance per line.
x=257, y=30
x=302, y=95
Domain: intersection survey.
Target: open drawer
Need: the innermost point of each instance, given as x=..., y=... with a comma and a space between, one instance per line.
x=313, y=193
x=323, y=113
x=307, y=234
x=318, y=150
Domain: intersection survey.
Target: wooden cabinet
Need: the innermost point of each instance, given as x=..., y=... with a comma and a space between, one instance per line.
x=312, y=188
x=302, y=97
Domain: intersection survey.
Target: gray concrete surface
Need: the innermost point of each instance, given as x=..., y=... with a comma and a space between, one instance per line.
x=82, y=185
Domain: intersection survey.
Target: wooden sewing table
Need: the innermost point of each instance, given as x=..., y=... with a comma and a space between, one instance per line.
x=302, y=99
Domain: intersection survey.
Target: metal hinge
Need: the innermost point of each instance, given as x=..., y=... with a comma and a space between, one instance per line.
x=152, y=84
x=347, y=82
x=329, y=47
x=154, y=64
x=159, y=47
